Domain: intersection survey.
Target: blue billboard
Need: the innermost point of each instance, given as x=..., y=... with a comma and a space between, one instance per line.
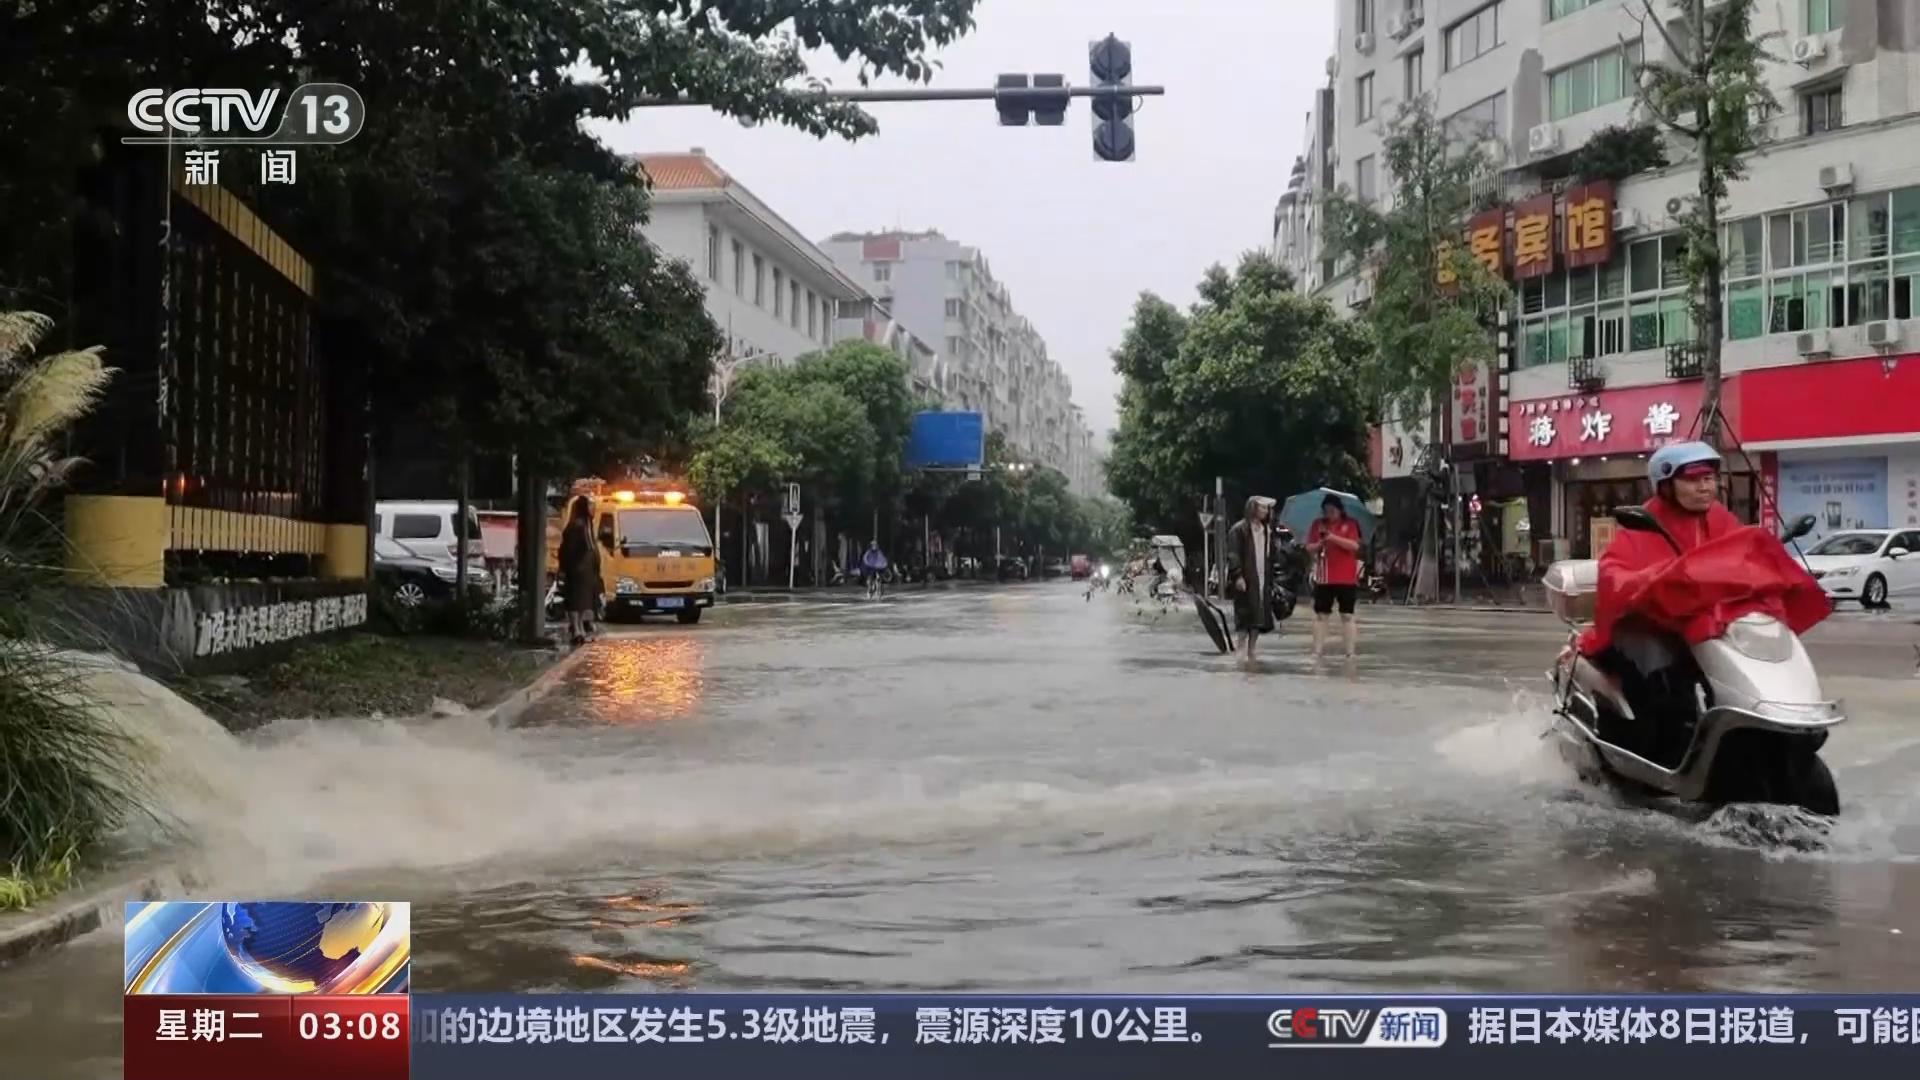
x=947, y=440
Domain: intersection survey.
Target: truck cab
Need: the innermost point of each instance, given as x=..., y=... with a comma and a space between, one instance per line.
x=656, y=555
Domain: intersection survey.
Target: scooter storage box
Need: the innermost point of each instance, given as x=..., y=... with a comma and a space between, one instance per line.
x=1572, y=587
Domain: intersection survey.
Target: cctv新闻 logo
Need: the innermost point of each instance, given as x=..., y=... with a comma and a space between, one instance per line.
x=1422, y=1026
x=219, y=112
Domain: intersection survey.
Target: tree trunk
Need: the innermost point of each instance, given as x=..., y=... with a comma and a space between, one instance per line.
x=1426, y=581
x=1708, y=326
x=532, y=554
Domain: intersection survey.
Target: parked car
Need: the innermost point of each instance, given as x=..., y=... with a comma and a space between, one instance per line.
x=1869, y=566
x=426, y=528
x=409, y=577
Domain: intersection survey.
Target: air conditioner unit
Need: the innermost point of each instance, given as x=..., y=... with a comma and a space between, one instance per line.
x=1835, y=177
x=1812, y=343
x=1333, y=66
x=1882, y=335
x=1625, y=220
x=1398, y=26
x=1543, y=139
x=1361, y=292
x=1363, y=42
x=1416, y=18
x=1808, y=49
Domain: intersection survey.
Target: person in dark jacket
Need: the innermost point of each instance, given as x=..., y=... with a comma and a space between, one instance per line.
x=1250, y=569
x=579, y=570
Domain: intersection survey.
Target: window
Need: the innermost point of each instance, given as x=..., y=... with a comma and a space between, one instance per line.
x=883, y=271
x=1834, y=265
x=759, y=281
x=1475, y=36
x=1573, y=314
x=793, y=312
x=1416, y=73
x=739, y=268
x=416, y=526
x=1363, y=16
x=1363, y=98
x=1560, y=9
x=1593, y=82
x=953, y=309
x=813, y=316
x=1820, y=111
x=1825, y=16
x=1483, y=120
x=1364, y=179
x=953, y=271
x=779, y=294
x=713, y=252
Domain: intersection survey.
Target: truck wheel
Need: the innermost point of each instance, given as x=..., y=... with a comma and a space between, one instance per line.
x=689, y=616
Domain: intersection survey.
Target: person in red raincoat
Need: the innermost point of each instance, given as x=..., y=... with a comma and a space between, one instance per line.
x=1686, y=503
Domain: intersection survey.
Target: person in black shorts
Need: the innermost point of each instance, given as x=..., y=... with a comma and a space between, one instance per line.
x=1334, y=543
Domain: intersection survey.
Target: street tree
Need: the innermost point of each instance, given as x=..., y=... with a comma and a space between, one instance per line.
x=1432, y=300
x=879, y=381
x=1711, y=91
x=1257, y=384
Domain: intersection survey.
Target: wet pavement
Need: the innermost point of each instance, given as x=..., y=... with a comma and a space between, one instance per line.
x=1021, y=789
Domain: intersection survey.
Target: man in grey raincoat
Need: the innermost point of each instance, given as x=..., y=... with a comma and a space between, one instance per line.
x=1250, y=572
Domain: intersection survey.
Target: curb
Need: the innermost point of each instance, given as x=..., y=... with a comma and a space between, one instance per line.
x=81, y=911
x=510, y=708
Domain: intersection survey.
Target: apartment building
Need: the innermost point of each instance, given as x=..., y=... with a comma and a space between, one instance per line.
x=1822, y=396
x=771, y=291
x=873, y=320
x=995, y=361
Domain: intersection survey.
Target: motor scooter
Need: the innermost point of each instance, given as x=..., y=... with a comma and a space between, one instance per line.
x=1739, y=718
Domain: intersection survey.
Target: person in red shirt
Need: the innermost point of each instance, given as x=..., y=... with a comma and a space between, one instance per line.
x=1334, y=543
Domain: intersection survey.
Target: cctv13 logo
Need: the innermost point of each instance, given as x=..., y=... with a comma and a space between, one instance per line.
x=1409, y=1026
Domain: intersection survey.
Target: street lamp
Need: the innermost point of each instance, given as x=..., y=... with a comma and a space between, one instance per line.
x=720, y=384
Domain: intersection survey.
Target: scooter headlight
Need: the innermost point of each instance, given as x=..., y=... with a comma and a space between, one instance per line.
x=1759, y=637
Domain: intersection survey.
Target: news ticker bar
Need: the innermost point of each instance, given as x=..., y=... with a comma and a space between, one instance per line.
x=949, y=1037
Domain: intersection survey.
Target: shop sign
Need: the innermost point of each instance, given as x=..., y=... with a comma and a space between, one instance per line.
x=1486, y=239
x=1588, y=239
x=1770, y=492
x=1633, y=420
x=1470, y=404
x=1904, y=498
x=1533, y=237
x=1840, y=493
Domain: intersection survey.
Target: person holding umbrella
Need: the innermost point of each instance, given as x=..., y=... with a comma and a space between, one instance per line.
x=1334, y=542
x=1250, y=571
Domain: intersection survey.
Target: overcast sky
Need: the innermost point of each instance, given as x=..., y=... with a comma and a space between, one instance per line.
x=1075, y=239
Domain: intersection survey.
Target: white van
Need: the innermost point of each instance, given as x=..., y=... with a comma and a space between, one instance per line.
x=426, y=529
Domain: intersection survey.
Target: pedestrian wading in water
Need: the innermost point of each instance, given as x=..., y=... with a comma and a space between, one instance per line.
x=1250, y=569
x=579, y=570
x=1334, y=543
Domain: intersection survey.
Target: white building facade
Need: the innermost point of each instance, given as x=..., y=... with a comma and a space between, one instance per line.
x=994, y=361
x=774, y=295
x=1822, y=395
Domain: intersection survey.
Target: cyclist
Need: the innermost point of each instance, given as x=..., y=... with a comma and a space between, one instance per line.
x=872, y=565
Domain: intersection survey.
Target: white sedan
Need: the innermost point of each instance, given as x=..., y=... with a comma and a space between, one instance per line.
x=1868, y=565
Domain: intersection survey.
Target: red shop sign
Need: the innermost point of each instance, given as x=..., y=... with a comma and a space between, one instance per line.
x=1629, y=420
x=1834, y=399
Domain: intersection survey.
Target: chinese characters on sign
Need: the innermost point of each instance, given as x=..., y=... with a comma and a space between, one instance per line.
x=1533, y=237
x=201, y=168
x=818, y=1025
x=1485, y=240
x=1574, y=230
x=235, y=629
x=1470, y=404
x=1598, y=429
x=1630, y=1026
x=1588, y=239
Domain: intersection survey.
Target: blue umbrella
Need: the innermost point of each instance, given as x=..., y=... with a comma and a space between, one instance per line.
x=1300, y=511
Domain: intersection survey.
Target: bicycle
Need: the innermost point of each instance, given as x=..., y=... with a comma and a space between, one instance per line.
x=873, y=586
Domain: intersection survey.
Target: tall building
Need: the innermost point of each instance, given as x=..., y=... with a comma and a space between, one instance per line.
x=1822, y=241
x=994, y=360
x=770, y=290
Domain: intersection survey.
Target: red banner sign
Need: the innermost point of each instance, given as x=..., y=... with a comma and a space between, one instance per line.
x=1629, y=420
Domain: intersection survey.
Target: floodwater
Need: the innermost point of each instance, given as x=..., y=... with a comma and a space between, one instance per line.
x=1020, y=789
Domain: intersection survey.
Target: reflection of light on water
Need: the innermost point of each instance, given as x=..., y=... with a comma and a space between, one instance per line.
x=638, y=969
x=644, y=679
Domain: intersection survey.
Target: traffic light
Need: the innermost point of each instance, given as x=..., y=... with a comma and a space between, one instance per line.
x=1044, y=101
x=1111, y=61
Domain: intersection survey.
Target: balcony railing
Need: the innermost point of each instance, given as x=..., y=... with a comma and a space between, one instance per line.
x=1585, y=374
x=1685, y=360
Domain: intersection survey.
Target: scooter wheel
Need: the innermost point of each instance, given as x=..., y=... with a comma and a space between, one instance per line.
x=1808, y=784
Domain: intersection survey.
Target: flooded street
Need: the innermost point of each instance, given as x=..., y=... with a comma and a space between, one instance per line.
x=1021, y=790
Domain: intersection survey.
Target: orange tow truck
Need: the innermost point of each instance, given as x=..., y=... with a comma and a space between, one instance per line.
x=656, y=555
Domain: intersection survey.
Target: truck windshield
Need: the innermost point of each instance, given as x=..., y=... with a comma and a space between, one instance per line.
x=646, y=531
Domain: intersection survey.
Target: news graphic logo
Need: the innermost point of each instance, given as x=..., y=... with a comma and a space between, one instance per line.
x=1409, y=1026
x=293, y=990
x=315, y=114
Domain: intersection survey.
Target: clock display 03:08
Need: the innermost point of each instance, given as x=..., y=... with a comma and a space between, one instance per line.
x=364, y=1026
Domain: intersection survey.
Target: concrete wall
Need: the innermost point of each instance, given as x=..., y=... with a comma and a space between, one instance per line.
x=216, y=627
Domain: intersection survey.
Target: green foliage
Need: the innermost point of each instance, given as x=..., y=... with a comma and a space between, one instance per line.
x=1256, y=384
x=1424, y=332
x=68, y=774
x=1617, y=152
